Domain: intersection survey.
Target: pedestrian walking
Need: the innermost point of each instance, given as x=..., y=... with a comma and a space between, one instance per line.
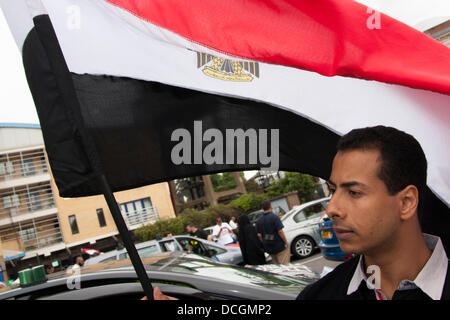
x=270, y=231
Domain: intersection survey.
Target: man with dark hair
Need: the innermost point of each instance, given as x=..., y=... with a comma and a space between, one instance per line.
x=168, y=234
x=270, y=231
x=378, y=180
x=196, y=232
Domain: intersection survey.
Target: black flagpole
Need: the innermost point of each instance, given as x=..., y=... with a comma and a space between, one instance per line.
x=50, y=44
x=125, y=234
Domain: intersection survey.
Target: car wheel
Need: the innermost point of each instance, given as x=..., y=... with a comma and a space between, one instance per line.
x=303, y=247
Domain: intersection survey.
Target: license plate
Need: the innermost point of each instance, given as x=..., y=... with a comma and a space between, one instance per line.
x=326, y=234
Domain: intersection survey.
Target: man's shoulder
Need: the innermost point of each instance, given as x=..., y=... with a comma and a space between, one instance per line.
x=333, y=285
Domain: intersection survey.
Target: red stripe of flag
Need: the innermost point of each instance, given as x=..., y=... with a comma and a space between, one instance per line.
x=330, y=37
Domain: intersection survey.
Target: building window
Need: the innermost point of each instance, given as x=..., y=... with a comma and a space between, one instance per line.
x=44, y=164
x=101, y=217
x=11, y=201
x=73, y=224
x=28, y=234
x=34, y=201
x=6, y=168
x=136, y=207
x=27, y=167
x=138, y=211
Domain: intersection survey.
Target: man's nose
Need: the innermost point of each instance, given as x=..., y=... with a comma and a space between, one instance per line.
x=334, y=209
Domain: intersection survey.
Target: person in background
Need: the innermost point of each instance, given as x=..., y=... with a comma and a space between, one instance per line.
x=251, y=247
x=196, y=232
x=222, y=231
x=168, y=234
x=79, y=262
x=49, y=269
x=234, y=227
x=169, y=245
x=270, y=231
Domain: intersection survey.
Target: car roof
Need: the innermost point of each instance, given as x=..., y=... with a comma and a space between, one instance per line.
x=179, y=267
x=302, y=206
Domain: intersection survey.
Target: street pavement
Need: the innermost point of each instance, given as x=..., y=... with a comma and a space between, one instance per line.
x=316, y=262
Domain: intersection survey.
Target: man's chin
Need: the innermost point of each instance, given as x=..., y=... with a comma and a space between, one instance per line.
x=351, y=249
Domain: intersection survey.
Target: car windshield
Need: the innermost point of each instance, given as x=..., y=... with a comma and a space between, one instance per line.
x=209, y=268
x=179, y=262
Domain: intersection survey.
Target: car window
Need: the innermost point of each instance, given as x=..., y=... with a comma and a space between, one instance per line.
x=148, y=251
x=315, y=210
x=299, y=217
x=216, y=250
x=192, y=245
x=255, y=216
x=123, y=256
x=109, y=259
x=143, y=252
x=168, y=246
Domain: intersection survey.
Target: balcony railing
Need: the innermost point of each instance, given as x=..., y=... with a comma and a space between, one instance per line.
x=141, y=217
x=25, y=199
x=32, y=235
x=22, y=164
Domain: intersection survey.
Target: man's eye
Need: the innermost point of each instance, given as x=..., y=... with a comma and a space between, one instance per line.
x=354, y=193
x=332, y=191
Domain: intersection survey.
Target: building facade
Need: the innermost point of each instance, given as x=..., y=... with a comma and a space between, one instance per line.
x=441, y=33
x=200, y=192
x=37, y=226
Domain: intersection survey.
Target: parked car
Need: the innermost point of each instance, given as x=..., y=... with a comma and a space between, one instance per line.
x=329, y=243
x=188, y=244
x=176, y=273
x=301, y=227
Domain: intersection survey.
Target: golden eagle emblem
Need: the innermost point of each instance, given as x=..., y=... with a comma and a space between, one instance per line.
x=227, y=69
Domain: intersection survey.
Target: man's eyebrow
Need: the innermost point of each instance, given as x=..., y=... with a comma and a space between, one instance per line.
x=348, y=184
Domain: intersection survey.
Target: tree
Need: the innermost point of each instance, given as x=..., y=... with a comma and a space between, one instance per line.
x=223, y=181
x=293, y=181
x=249, y=202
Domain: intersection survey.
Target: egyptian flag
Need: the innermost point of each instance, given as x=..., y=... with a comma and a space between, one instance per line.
x=147, y=91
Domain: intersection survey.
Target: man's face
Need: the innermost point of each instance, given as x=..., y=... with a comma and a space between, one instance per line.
x=219, y=222
x=188, y=229
x=365, y=216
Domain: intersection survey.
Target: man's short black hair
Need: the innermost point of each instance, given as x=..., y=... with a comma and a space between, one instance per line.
x=265, y=205
x=403, y=161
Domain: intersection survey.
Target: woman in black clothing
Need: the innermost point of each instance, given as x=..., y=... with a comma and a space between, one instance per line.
x=251, y=247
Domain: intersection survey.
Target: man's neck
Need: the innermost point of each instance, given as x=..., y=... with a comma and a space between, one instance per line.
x=402, y=260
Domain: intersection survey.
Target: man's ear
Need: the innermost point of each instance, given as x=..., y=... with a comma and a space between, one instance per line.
x=409, y=202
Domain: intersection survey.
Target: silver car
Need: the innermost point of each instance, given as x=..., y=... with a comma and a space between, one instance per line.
x=225, y=254
x=301, y=227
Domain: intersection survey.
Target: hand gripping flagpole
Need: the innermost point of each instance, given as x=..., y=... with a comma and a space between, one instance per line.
x=66, y=89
